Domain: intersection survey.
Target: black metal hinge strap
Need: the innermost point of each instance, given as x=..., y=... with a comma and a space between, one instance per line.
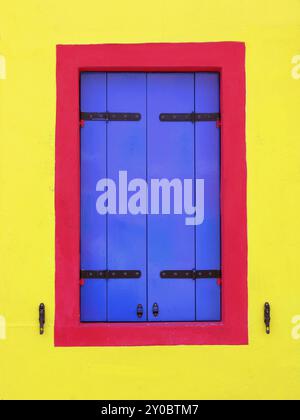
x=190, y=274
x=110, y=116
x=191, y=117
x=110, y=274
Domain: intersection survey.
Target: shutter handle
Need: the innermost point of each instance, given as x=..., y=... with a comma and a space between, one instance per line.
x=155, y=309
x=139, y=310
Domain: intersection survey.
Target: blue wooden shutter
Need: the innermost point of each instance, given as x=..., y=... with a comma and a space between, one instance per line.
x=150, y=149
x=207, y=158
x=171, y=244
x=126, y=151
x=93, y=227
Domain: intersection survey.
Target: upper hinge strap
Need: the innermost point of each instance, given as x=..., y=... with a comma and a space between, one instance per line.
x=110, y=274
x=191, y=117
x=191, y=274
x=110, y=116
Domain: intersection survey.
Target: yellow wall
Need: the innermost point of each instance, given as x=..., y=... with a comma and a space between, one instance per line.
x=30, y=366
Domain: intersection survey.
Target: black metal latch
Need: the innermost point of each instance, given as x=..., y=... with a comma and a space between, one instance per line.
x=267, y=314
x=110, y=116
x=191, y=117
x=110, y=274
x=42, y=318
x=191, y=274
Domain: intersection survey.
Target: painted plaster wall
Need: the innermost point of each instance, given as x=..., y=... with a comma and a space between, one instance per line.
x=270, y=366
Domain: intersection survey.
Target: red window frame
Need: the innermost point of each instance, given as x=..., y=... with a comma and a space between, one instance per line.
x=228, y=58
